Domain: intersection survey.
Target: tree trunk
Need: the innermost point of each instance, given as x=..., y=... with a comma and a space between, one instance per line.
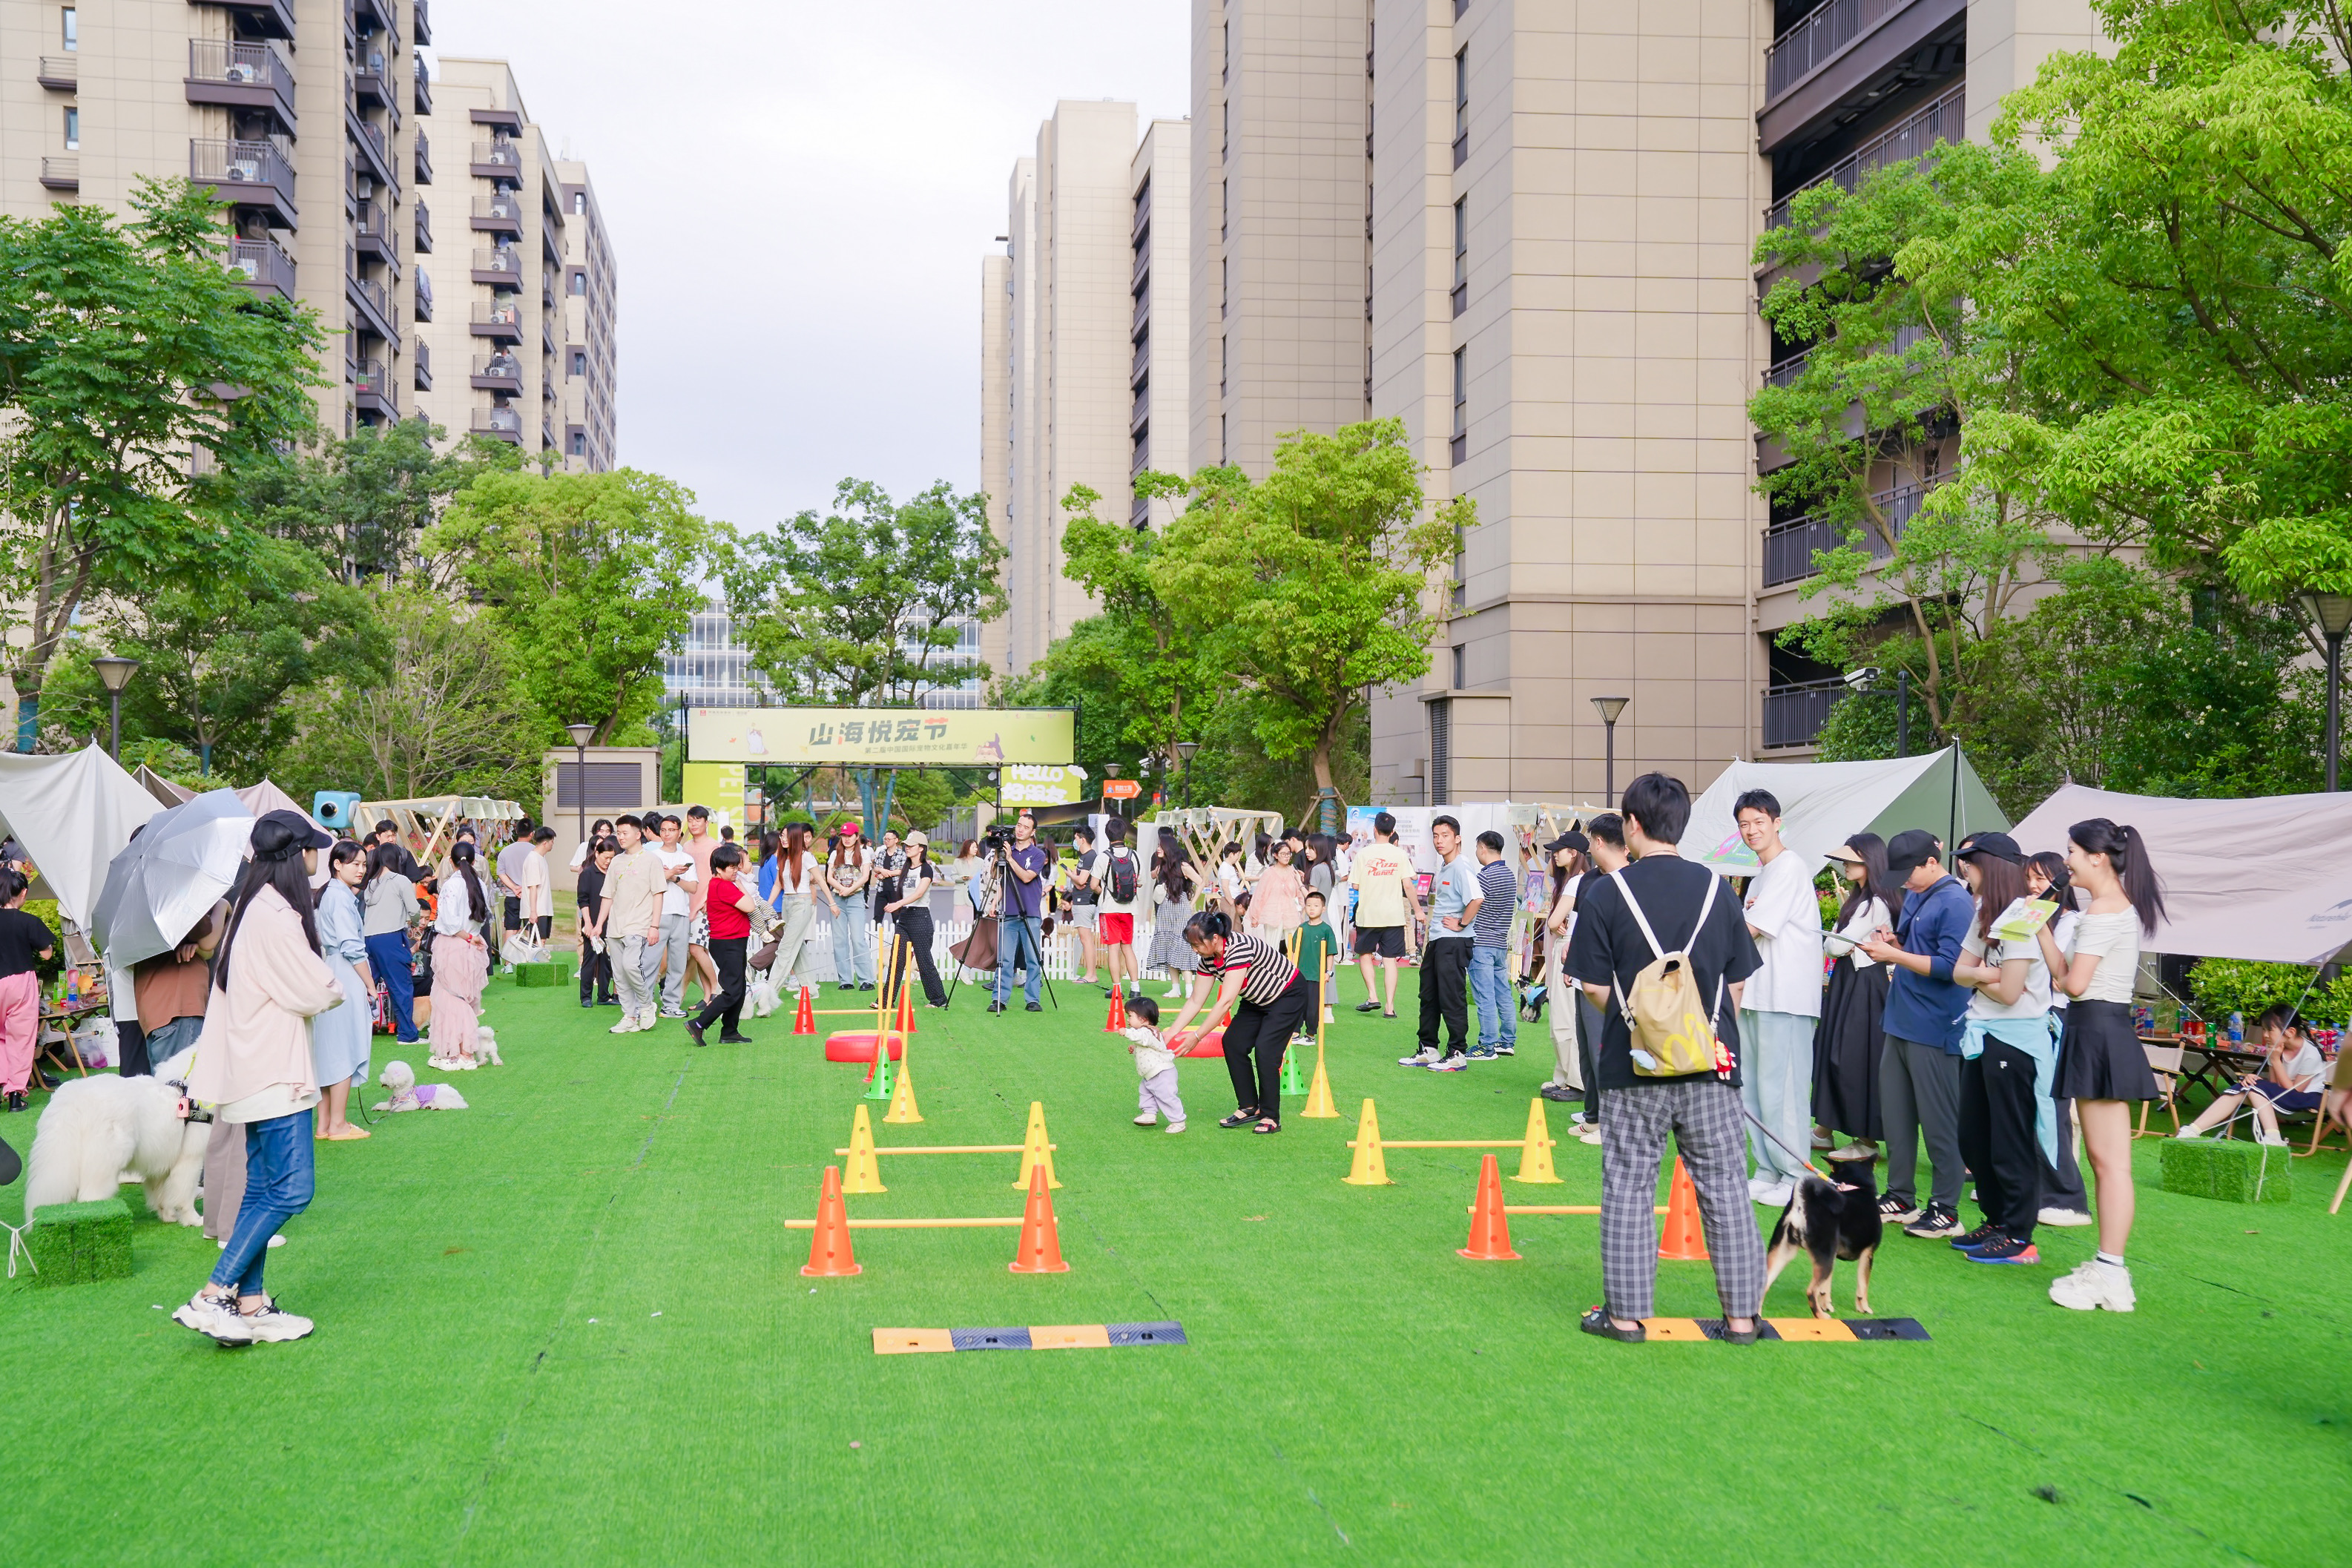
x=28, y=709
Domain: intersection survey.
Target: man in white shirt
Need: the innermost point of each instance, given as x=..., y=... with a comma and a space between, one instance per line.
x=1115, y=918
x=1782, y=1002
x=533, y=884
x=507, y=870
x=679, y=880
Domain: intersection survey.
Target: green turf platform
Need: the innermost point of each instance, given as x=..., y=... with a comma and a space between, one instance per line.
x=74, y=1244
x=556, y=971
x=2230, y=1171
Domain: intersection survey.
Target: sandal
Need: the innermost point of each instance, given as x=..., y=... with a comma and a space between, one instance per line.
x=1239, y=1118
x=1598, y=1321
x=1267, y=1124
x=1388, y=1014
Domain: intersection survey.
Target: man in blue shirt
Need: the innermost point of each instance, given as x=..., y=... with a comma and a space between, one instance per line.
x=1020, y=935
x=1490, y=967
x=1919, y=1070
x=1445, y=956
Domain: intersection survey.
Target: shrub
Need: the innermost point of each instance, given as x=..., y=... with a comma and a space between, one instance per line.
x=2222, y=986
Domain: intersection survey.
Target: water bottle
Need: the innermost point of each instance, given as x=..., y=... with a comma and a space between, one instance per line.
x=2237, y=1028
x=73, y=988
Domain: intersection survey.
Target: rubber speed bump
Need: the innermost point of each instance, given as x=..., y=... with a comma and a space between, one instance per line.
x=1060, y=1337
x=1815, y=1330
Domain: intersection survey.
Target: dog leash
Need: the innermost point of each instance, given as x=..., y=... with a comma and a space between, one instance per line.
x=1784, y=1148
x=16, y=1246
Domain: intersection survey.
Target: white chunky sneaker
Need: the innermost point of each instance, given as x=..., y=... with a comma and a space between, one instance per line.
x=2092, y=1285
x=216, y=1319
x=272, y=1326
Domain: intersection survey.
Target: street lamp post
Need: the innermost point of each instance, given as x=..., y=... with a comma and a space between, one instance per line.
x=1610, y=707
x=2332, y=613
x=580, y=734
x=1185, y=750
x=116, y=674
x=1110, y=771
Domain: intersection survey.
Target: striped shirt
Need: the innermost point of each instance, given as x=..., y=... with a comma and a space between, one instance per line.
x=1270, y=972
x=1497, y=888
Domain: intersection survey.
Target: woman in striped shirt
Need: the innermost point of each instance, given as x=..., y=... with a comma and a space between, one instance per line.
x=1260, y=989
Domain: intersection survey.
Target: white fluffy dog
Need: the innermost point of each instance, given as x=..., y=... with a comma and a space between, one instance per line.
x=762, y=993
x=96, y=1130
x=486, y=1046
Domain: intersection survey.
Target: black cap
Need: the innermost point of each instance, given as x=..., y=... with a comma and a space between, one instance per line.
x=1910, y=850
x=1571, y=840
x=282, y=834
x=2000, y=846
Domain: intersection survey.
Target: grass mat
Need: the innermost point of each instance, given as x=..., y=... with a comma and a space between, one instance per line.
x=567, y=1325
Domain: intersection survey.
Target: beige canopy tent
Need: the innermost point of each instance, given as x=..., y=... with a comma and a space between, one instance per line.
x=260, y=799
x=429, y=823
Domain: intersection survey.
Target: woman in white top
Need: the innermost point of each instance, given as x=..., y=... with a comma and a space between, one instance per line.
x=796, y=886
x=2064, y=1200
x=2294, y=1076
x=2007, y=1057
x=461, y=962
x=2101, y=1064
x=1848, y=1040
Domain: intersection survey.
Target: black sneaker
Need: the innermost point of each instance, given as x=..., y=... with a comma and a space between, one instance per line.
x=1935, y=1224
x=1035, y=1007
x=1987, y=1232
x=866, y=985
x=846, y=986
x=734, y=1039
x=996, y=1007
x=1563, y=1094
x=694, y=1033
x=17, y=1099
x=1902, y=1211
x=1367, y=1006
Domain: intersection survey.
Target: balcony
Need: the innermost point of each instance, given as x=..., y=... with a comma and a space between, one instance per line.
x=62, y=72
x=273, y=18
x=1790, y=547
x=372, y=390
x=1820, y=34
x=1142, y=311
x=421, y=354
x=421, y=27
x=1461, y=149
x=62, y=173
x=374, y=16
x=423, y=297
x=1142, y=362
x=242, y=76
x=268, y=269
x=498, y=319
x=1142, y=215
x=373, y=309
x=372, y=79
x=375, y=157
x=1847, y=56
x=423, y=101
x=1786, y=372
x=423, y=230
x=247, y=174
x=497, y=373
x=501, y=213
x=1793, y=715
x=1942, y=121
x=504, y=422
x=1141, y=408
x=1461, y=298
x=496, y=161
x=501, y=269
x=371, y=234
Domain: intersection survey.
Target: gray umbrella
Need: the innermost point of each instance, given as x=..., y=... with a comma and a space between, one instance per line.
x=177, y=868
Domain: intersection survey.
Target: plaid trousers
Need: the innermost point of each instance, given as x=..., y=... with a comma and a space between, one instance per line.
x=1704, y=1116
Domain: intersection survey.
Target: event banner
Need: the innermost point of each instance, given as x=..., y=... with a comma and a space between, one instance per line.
x=883, y=736
x=719, y=786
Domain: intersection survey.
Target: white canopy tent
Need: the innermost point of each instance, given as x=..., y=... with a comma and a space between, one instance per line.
x=73, y=813
x=1824, y=804
x=2259, y=878
x=259, y=799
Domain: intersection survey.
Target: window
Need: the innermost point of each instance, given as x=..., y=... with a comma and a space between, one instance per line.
x=580, y=362
x=1441, y=752
x=579, y=443
x=579, y=203
x=1460, y=402
x=1225, y=286
x=69, y=21
x=1461, y=255
x=1461, y=666
x=1461, y=106
x=73, y=130
x=579, y=282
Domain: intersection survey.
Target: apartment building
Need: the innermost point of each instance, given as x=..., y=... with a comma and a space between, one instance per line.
x=522, y=346
x=1565, y=204
x=302, y=115
x=1160, y=383
x=1282, y=274
x=1057, y=358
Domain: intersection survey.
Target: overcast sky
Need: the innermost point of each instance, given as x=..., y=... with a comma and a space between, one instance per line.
x=799, y=196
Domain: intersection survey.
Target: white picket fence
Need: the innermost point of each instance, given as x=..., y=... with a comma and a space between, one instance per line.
x=1061, y=949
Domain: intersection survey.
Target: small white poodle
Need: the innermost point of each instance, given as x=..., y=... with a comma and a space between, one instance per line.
x=407, y=1094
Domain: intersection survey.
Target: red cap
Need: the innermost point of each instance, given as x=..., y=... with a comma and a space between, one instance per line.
x=852, y=826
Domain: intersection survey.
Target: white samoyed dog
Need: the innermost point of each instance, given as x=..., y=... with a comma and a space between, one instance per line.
x=95, y=1131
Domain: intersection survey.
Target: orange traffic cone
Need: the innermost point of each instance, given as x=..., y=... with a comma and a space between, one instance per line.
x=829, y=1253
x=1041, y=1240
x=1684, y=1241
x=1490, y=1227
x=906, y=1008
x=804, y=1021
x=1117, y=1019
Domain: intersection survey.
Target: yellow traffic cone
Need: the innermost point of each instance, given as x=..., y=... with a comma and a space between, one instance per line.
x=1318, y=1093
x=1372, y=1167
x=1535, y=1159
x=1036, y=1152
x=864, y=1173
x=902, y=1098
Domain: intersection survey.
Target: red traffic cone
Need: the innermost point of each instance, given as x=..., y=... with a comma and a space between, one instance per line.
x=1116, y=1019
x=1490, y=1227
x=1041, y=1240
x=1684, y=1239
x=804, y=1021
x=829, y=1253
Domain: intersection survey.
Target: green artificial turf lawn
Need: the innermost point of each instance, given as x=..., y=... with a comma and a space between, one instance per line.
x=567, y=1325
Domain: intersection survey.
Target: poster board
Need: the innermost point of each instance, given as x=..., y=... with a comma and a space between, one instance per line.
x=882, y=735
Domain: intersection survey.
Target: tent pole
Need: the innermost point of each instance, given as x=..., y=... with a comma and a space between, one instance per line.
x=1952, y=825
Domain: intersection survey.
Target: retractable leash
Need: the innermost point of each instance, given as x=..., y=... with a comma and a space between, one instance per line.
x=1776, y=1142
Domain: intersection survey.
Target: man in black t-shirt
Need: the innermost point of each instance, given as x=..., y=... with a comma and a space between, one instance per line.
x=1702, y=1110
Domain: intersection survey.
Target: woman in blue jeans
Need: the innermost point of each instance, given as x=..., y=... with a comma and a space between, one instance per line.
x=253, y=1066
x=388, y=901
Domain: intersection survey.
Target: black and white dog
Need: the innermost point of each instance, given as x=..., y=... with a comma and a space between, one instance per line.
x=1830, y=1219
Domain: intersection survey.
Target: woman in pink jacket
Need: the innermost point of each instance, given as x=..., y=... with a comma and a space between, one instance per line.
x=253, y=1066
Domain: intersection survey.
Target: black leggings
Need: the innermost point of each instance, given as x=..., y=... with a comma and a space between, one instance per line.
x=915, y=927
x=1264, y=1031
x=727, y=952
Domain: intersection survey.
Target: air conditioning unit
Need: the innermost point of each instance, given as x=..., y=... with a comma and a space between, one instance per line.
x=247, y=169
x=242, y=74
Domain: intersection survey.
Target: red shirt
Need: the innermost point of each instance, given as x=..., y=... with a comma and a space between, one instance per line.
x=727, y=922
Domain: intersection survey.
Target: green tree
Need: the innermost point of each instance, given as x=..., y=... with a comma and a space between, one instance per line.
x=861, y=603
x=592, y=578
x=363, y=503
x=125, y=347
x=1314, y=582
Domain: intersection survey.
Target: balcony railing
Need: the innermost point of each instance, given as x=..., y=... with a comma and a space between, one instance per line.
x=422, y=25
x=1793, y=715
x=1142, y=311
x=421, y=356
x=505, y=422
x=1827, y=29
x=368, y=74
x=371, y=291
x=1790, y=547
x=372, y=380
x=499, y=314
x=62, y=173
x=504, y=211
x=424, y=154
x=423, y=230
x=267, y=269
x=498, y=154
x=424, y=92
x=423, y=296
x=1142, y=361
x=504, y=262
x=1787, y=371
x=1943, y=120
x=62, y=72
x=243, y=171
x=505, y=368
x=1141, y=408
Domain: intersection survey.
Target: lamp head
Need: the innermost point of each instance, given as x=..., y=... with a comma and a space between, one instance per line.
x=1610, y=707
x=1110, y=770
x=115, y=673
x=2331, y=613
x=581, y=734
x=1185, y=750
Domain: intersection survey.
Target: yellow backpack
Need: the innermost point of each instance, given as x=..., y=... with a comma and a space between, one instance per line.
x=1673, y=1027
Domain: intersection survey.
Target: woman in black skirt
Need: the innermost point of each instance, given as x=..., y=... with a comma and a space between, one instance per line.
x=1848, y=1041
x=2102, y=1066
x=1261, y=988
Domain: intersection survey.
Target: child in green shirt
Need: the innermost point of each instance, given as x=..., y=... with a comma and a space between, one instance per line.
x=1318, y=952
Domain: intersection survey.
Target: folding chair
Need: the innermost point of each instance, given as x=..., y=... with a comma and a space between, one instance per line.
x=2165, y=1062
x=2338, y=1081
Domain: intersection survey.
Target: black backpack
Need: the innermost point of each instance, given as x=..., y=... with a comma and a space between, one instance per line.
x=1123, y=876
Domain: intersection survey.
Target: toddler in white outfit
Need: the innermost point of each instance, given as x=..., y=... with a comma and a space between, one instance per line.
x=1156, y=1064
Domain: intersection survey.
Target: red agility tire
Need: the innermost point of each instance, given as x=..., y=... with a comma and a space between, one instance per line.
x=857, y=1045
x=1211, y=1044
